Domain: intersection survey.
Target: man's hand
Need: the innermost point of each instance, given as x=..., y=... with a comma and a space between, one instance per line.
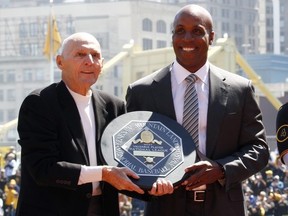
x=203, y=172
x=118, y=177
x=161, y=187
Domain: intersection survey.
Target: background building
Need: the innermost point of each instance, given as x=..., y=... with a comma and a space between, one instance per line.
x=255, y=26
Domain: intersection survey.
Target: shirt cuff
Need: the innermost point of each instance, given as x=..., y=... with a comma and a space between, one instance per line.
x=90, y=174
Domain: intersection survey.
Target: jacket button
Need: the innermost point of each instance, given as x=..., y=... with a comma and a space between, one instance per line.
x=89, y=195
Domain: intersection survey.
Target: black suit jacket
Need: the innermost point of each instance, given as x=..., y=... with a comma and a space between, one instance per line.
x=53, y=148
x=235, y=137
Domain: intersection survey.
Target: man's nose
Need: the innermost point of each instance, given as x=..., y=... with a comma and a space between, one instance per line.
x=189, y=36
x=89, y=59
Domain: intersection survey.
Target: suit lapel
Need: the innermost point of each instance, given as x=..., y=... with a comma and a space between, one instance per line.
x=100, y=114
x=72, y=117
x=218, y=96
x=163, y=98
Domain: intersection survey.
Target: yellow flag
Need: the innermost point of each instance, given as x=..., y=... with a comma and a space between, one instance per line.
x=56, y=39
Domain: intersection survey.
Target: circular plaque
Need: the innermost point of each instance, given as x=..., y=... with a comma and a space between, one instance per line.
x=152, y=145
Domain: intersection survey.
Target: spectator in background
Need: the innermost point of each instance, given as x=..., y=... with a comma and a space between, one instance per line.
x=125, y=203
x=269, y=177
x=10, y=166
x=258, y=184
x=11, y=198
x=277, y=184
x=11, y=151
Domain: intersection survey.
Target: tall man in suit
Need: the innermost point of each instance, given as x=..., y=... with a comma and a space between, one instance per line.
x=60, y=127
x=232, y=143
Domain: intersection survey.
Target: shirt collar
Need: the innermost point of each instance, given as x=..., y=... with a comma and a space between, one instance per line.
x=181, y=73
x=81, y=98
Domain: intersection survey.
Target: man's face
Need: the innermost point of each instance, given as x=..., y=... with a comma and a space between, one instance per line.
x=81, y=63
x=191, y=39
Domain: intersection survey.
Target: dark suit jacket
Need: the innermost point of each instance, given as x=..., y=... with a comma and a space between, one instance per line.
x=235, y=137
x=53, y=150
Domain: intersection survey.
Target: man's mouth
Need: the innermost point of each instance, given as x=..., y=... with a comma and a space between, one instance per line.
x=188, y=49
x=87, y=72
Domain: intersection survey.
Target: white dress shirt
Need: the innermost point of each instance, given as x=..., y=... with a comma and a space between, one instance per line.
x=92, y=173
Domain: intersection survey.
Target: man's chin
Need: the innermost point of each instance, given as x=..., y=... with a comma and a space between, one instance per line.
x=90, y=82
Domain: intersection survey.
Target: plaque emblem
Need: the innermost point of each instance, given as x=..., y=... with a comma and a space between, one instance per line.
x=148, y=148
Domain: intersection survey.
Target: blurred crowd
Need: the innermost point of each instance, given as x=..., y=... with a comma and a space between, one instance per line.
x=266, y=193
x=9, y=183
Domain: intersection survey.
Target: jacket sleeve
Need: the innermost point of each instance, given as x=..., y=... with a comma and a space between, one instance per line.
x=250, y=152
x=42, y=146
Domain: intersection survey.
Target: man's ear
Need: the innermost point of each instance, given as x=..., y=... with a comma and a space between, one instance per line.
x=102, y=62
x=211, y=37
x=59, y=61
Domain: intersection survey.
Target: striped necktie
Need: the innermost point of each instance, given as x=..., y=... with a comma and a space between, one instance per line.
x=190, y=111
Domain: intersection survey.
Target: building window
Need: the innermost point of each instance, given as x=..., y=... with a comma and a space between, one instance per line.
x=237, y=15
x=116, y=72
x=238, y=2
x=103, y=39
x=1, y=116
x=161, y=26
x=11, y=77
x=27, y=75
x=116, y=90
x=161, y=44
x=225, y=27
x=251, y=17
x=2, y=77
x=269, y=34
x=270, y=47
x=269, y=10
x=24, y=49
x=225, y=13
x=11, y=95
x=70, y=26
x=269, y=22
x=147, y=25
x=33, y=27
x=39, y=75
x=147, y=44
x=23, y=30
x=11, y=114
x=34, y=49
x=1, y=95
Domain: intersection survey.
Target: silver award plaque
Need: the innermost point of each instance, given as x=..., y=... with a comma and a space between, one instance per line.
x=152, y=145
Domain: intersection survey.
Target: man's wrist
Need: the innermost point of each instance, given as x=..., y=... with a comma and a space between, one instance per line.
x=105, y=172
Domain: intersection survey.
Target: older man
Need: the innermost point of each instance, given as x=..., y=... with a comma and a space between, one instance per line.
x=60, y=128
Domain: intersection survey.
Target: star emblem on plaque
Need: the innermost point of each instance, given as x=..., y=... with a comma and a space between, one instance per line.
x=152, y=145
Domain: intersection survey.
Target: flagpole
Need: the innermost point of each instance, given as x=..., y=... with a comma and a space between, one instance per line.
x=51, y=43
